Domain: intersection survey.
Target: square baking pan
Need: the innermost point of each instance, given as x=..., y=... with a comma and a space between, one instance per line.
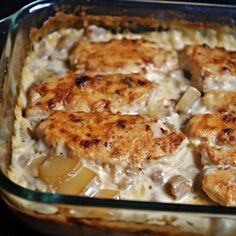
x=57, y=214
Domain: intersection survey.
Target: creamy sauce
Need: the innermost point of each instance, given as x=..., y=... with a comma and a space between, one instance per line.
x=48, y=58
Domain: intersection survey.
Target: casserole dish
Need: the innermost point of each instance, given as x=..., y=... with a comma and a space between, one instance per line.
x=58, y=214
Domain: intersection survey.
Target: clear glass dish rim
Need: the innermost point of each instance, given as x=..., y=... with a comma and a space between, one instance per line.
x=175, y=3
x=6, y=185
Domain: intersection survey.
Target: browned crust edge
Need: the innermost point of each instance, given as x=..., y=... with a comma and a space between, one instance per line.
x=117, y=23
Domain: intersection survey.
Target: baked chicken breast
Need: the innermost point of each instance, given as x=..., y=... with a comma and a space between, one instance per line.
x=218, y=100
x=115, y=93
x=127, y=140
x=209, y=68
x=220, y=185
x=214, y=136
x=122, y=56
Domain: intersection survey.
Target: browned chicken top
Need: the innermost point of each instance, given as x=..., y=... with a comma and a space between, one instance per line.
x=215, y=129
x=209, y=68
x=50, y=95
x=220, y=185
x=116, y=93
x=218, y=100
x=214, y=135
x=122, y=56
x=127, y=140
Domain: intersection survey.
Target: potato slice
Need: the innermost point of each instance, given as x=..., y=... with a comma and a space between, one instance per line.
x=187, y=100
x=77, y=182
x=56, y=169
x=104, y=213
x=33, y=167
x=107, y=193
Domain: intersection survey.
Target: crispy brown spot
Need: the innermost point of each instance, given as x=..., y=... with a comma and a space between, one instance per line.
x=128, y=81
x=107, y=104
x=142, y=82
x=226, y=69
x=117, y=92
x=171, y=143
x=105, y=144
x=148, y=60
x=99, y=77
x=81, y=81
x=177, y=140
x=121, y=124
x=74, y=118
x=229, y=118
x=62, y=130
x=51, y=105
x=163, y=131
x=147, y=127
x=227, y=131
x=89, y=143
x=205, y=45
x=149, y=158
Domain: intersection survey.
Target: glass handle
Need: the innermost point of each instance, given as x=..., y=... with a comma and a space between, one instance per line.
x=5, y=50
x=4, y=29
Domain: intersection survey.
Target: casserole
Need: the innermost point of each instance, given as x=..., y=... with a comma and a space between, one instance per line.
x=68, y=211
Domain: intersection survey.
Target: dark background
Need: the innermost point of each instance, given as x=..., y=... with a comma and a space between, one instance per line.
x=8, y=7
x=9, y=224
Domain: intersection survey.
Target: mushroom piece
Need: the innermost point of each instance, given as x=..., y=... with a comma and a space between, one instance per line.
x=157, y=177
x=178, y=186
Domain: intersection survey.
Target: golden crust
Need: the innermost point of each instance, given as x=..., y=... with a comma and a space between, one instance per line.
x=122, y=56
x=48, y=96
x=214, y=136
x=220, y=185
x=217, y=156
x=214, y=129
x=116, y=93
x=209, y=68
x=88, y=93
x=108, y=138
x=218, y=100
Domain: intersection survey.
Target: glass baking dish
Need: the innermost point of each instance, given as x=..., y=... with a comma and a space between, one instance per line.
x=56, y=214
